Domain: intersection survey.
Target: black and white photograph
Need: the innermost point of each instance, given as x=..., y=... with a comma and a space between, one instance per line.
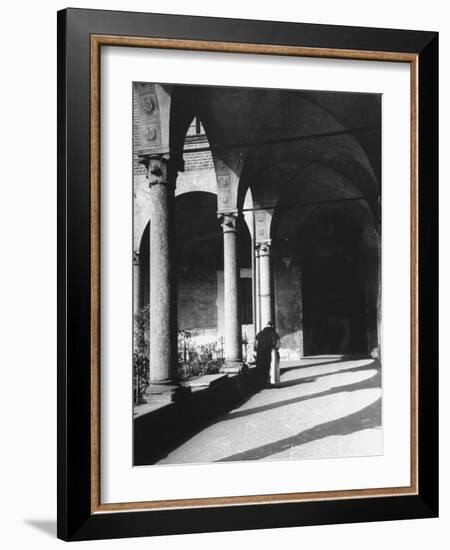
x=223, y=278
x=257, y=256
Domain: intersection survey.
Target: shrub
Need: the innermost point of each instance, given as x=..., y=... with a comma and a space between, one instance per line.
x=141, y=363
x=142, y=330
x=141, y=374
x=196, y=359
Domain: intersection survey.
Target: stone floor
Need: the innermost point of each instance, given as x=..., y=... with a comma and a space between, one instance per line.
x=322, y=407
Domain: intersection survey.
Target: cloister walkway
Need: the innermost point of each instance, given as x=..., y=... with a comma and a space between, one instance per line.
x=322, y=407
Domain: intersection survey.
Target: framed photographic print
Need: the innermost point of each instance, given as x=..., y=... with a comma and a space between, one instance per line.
x=247, y=274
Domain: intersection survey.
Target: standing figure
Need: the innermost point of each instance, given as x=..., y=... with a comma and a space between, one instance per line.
x=266, y=341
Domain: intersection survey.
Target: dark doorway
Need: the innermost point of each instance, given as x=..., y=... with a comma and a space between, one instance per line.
x=334, y=312
x=334, y=303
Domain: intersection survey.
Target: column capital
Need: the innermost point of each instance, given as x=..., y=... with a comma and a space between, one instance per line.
x=228, y=221
x=263, y=247
x=161, y=168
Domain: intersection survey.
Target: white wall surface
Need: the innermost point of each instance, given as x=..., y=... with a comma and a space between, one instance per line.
x=28, y=273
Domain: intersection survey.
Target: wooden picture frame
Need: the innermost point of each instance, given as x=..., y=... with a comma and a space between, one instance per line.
x=81, y=35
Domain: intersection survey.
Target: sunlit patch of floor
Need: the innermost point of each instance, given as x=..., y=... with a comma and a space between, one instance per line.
x=321, y=408
x=362, y=443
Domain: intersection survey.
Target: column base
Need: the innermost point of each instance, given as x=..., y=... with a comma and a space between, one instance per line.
x=233, y=367
x=166, y=392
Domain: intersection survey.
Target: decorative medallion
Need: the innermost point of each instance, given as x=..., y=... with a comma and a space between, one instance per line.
x=148, y=105
x=223, y=181
x=150, y=133
x=221, y=166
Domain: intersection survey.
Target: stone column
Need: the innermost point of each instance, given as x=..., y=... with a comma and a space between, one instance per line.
x=233, y=336
x=265, y=290
x=136, y=283
x=163, y=312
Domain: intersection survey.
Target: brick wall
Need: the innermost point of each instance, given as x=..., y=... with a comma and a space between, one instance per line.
x=201, y=160
x=138, y=169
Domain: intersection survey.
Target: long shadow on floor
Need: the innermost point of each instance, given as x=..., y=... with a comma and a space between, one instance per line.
x=326, y=361
x=313, y=378
x=368, y=417
x=372, y=382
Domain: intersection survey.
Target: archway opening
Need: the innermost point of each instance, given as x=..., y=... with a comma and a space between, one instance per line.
x=334, y=302
x=199, y=259
x=326, y=276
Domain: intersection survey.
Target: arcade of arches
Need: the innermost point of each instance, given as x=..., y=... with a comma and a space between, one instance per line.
x=253, y=205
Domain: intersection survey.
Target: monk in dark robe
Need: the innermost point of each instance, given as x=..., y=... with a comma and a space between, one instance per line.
x=265, y=342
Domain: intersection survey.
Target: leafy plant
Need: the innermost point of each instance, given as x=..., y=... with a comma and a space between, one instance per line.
x=196, y=359
x=142, y=330
x=141, y=374
x=141, y=362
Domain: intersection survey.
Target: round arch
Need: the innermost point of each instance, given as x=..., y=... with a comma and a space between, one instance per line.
x=326, y=262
